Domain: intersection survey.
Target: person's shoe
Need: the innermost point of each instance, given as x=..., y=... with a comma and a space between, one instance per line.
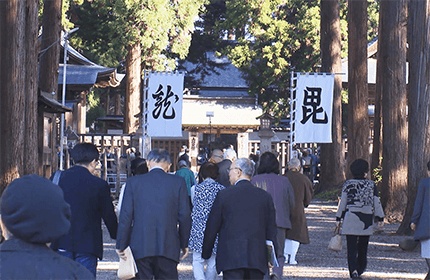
x=293, y=262
x=355, y=275
x=274, y=277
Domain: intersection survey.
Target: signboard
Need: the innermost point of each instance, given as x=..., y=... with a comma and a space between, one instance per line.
x=165, y=92
x=312, y=108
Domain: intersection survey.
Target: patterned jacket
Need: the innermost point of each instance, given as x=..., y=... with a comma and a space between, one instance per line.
x=203, y=199
x=359, y=205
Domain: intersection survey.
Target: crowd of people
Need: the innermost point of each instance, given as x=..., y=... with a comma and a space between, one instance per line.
x=231, y=214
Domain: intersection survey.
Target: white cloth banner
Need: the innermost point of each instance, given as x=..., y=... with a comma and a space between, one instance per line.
x=165, y=92
x=314, y=103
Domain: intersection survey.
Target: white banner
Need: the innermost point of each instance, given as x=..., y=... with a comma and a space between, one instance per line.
x=313, y=110
x=165, y=104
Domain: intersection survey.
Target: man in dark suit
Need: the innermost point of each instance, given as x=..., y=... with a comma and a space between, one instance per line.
x=155, y=219
x=90, y=202
x=224, y=166
x=244, y=217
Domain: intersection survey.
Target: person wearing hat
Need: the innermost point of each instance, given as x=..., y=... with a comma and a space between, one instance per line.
x=358, y=206
x=33, y=214
x=90, y=203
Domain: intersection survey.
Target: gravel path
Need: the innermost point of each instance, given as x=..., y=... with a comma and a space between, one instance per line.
x=385, y=259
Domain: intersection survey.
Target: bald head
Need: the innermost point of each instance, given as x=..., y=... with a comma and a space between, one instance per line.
x=217, y=156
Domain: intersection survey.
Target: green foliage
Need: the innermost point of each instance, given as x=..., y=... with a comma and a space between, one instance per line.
x=271, y=38
x=94, y=110
x=163, y=28
x=377, y=173
x=95, y=37
x=330, y=195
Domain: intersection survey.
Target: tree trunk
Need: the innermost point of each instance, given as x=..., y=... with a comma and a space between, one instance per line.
x=418, y=102
x=392, y=57
x=50, y=55
x=132, y=94
x=18, y=89
x=358, y=94
x=333, y=154
x=117, y=104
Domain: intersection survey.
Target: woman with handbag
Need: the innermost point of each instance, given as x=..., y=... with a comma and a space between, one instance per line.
x=421, y=219
x=358, y=206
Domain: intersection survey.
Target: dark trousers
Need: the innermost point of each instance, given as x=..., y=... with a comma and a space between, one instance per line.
x=242, y=274
x=160, y=268
x=87, y=260
x=357, y=252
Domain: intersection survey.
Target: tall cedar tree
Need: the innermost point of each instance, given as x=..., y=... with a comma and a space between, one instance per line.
x=418, y=102
x=392, y=79
x=18, y=89
x=158, y=32
x=332, y=155
x=358, y=120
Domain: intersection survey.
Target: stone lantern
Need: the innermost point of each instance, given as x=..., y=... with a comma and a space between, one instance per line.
x=265, y=133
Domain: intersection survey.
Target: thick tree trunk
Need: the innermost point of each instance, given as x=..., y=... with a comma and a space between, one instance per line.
x=132, y=95
x=332, y=155
x=358, y=95
x=50, y=55
x=418, y=102
x=18, y=89
x=392, y=57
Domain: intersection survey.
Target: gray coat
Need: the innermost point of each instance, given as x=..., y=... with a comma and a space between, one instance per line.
x=155, y=216
x=421, y=214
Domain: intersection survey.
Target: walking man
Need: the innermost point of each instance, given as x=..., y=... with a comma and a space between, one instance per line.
x=90, y=202
x=244, y=218
x=155, y=219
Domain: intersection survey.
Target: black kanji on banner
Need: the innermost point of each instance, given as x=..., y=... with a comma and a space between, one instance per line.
x=311, y=103
x=163, y=103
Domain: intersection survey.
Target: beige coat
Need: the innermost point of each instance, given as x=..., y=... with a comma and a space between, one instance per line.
x=303, y=192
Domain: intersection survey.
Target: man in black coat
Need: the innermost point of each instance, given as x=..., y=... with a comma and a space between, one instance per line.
x=155, y=219
x=244, y=217
x=90, y=202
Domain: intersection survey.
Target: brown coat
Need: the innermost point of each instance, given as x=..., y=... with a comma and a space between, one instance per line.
x=303, y=192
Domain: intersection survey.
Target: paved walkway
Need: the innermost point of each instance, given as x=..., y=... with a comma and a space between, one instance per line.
x=385, y=259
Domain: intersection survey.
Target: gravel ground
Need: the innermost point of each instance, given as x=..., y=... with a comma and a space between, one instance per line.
x=385, y=259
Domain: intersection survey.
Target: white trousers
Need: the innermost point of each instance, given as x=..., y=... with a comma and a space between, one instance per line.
x=199, y=267
x=290, y=248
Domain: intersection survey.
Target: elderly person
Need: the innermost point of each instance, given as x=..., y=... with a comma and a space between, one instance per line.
x=34, y=213
x=359, y=204
x=224, y=165
x=282, y=193
x=243, y=217
x=203, y=196
x=155, y=219
x=298, y=234
x=421, y=218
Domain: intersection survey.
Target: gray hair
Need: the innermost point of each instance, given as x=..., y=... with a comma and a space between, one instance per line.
x=182, y=163
x=294, y=163
x=159, y=155
x=246, y=166
x=230, y=154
